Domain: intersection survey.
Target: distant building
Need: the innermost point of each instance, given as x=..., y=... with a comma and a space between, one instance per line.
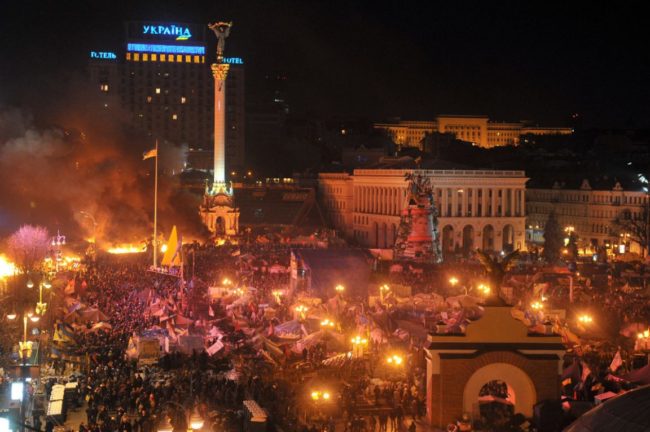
x=479, y=130
x=162, y=78
x=481, y=209
x=590, y=213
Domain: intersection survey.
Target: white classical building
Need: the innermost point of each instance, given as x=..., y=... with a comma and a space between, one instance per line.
x=478, y=209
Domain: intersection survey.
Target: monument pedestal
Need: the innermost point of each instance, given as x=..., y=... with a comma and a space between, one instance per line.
x=218, y=211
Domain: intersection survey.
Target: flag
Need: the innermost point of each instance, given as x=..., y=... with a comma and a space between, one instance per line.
x=617, y=361
x=585, y=372
x=173, y=256
x=210, y=311
x=566, y=382
x=150, y=154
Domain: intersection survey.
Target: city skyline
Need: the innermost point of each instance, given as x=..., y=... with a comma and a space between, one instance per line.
x=411, y=61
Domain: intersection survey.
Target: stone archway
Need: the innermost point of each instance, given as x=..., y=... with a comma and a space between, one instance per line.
x=508, y=238
x=448, y=239
x=488, y=238
x=468, y=239
x=521, y=384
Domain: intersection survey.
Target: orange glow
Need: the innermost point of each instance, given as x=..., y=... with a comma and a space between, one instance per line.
x=7, y=268
x=127, y=249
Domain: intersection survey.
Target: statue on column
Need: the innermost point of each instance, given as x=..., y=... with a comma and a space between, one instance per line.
x=222, y=31
x=417, y=236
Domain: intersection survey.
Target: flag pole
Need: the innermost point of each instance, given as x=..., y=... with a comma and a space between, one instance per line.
x=155, y=212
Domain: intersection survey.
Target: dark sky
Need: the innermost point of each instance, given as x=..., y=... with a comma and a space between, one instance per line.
x=510, y=60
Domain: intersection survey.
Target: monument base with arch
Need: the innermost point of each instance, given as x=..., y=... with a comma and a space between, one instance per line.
x=496, y=347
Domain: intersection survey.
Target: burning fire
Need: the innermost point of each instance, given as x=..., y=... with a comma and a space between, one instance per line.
x=127, y=249
x=7, y=268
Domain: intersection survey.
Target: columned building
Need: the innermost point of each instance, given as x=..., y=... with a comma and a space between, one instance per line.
x=478, y=209
x=478, y=130
x=590, y=213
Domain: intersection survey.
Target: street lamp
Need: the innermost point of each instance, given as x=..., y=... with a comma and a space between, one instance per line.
x=320, y=395
x=585, y=319
x=302, y=311
x=339, y=289
x=395, y=360
x=383, y=291
x=536, y=306
x=24, y=352
x=41, y=306
x=327, y=323
x=358, y=343
x=484, y=289
x=453, y=281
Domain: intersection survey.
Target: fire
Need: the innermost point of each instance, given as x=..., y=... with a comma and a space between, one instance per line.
x=7, y=268
x=127, y=249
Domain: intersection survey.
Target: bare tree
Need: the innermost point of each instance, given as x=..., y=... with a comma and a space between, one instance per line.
x=28, y=246
x=637, y=225
x=496, y=269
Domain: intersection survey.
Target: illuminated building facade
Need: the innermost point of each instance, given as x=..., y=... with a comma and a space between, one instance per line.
x=589, y=213
x=478, y=130
x=478, y=209
x=162, y=77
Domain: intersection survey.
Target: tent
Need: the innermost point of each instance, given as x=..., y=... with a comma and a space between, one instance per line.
x=628, y=412
x=639, y=376
x=334, y=341
x=465, y=301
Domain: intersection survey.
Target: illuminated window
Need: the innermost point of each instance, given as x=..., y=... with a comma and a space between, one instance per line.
x=154, y=57
x=157, y=90
x=136, y=57
x=145, y=57
x=202, y=59
x=163, y=57
x=188, y=59
x=174, y=117
x=149, y=98
x=196, y=59
x=183, y=99
x=128, y=56
x=103, y=87
x=179, y=58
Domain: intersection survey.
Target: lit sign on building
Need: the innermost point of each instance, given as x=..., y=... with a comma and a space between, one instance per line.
x=181, y=33
x=233, y=60
x=166, y=49
x=105, y=55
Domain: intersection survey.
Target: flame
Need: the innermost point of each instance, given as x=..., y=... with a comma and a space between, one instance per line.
x=127, y=249
x=7, y=268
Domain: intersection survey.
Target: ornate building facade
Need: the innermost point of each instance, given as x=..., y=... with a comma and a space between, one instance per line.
x=591, y=214
x=477, y=209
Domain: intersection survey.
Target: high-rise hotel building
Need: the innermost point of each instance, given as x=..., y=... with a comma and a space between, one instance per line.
x=163, y=79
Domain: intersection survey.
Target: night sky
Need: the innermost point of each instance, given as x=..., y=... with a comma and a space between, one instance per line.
x=511, y=61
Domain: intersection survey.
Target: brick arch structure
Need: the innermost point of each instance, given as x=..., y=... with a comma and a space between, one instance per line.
x=521, y=383
x=495, y=347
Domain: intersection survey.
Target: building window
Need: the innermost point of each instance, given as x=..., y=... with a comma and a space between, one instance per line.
x=103, y=87
x=154, y=57
x=183, y=99
x=128, y=56
x=136, y=57
x=157, y=90
x=174, y=117
x=145, y=57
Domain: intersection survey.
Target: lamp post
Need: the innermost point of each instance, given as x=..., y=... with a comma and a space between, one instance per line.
x=41, y=306
x=339, y=289
x=24, y=352
x=383, y=292
x=57, y=242
x=453, y=281
x=358, y=344
x=302, y=311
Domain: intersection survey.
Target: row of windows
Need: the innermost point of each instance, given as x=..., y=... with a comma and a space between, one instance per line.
x=552, y=196
x=172, y=58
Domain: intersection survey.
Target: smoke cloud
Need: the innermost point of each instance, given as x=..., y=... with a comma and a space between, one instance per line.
x=77, y=153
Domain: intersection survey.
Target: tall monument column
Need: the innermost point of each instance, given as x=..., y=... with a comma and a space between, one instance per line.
x=220, y=73
x=218, y=211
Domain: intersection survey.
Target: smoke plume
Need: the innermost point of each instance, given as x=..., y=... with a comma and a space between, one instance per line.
x=78, y=156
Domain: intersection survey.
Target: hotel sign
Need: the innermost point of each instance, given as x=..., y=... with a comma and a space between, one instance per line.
x=104, y=55
x=182, y=33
